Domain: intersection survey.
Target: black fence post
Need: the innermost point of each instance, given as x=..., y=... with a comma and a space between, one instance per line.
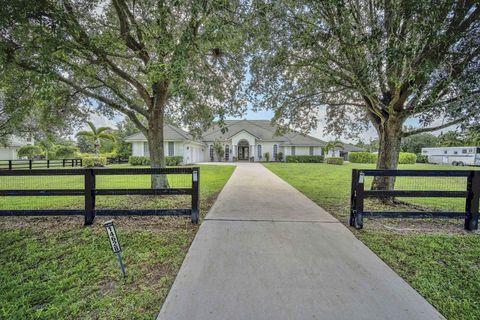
x=10, y=165
x=195, y=195
x=48, y=164
x=63, y=162
x=472, y=203
x=89, y=196
x=359, y=198
x=30, y=164
x=353, y=197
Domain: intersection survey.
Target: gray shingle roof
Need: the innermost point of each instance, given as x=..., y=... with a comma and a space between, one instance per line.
x=263, y=130
x=169, y=132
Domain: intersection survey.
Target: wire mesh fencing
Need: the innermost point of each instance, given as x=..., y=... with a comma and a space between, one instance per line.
x=91, y=192
x=415, y=193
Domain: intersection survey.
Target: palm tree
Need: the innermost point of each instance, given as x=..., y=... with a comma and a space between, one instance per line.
x=96, y=135
x=332, y=145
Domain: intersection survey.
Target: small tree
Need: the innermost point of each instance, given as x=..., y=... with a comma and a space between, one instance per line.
x=266, y=155
x=280, y=156
x=29, y=152
x=65, y=152
x=219, y=151
x=332, y=145
x=97, y=135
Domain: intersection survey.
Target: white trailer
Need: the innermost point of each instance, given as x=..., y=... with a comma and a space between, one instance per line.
x=454, y=156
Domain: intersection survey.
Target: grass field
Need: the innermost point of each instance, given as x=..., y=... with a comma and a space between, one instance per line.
x=55, y=268
x=436, y=256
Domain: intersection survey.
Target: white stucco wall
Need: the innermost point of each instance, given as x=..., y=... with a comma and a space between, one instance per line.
x=8, y=154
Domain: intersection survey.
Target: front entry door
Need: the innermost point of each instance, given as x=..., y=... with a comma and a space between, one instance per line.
x=243, y=153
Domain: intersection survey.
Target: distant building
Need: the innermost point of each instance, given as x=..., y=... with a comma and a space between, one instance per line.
x=8, y=151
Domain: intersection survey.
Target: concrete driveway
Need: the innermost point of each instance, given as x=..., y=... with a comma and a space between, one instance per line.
x=265, y=251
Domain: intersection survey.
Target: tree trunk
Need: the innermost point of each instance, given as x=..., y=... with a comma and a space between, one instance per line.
x=390, y=135
x=155, y=136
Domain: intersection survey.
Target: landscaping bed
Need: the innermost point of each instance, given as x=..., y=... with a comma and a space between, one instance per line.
x=436, y=256
x=55, y=268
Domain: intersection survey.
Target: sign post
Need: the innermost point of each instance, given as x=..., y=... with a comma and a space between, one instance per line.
x=112, y=237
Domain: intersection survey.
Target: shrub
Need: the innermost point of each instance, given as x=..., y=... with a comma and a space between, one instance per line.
x=305, y=159
x=144, y=161
x=266, y=155
x=90, y=162
x=65, y=152
x=407, y=158
x=29, y=152
x=335, y=160
x=174, y=161
x=422, y=158
x=138, y=161
x=280, y=156
x=362, y=157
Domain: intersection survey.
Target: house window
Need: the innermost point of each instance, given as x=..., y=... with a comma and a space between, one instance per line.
x=211, y=152
x=445, y=152
x=275, y=151
x=259, y=150
x=227, y=152
x=146, y=151
x=464, y=150
x=171, y=148
x=293, y=150
x=425, y=151
x=311, y=151
x=455, y=152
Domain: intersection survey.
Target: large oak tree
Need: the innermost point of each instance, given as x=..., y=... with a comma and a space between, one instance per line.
x=149, y=60
x=381, y=62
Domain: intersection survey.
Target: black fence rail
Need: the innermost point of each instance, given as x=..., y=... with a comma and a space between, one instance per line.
x=467, y=188
x=39, y=164
x=90, y=191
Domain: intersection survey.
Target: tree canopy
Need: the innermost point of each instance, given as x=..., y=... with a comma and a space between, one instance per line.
x=153, y=60
x=378, y=62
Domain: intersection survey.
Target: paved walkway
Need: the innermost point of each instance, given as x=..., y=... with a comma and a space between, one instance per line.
x=265, y=251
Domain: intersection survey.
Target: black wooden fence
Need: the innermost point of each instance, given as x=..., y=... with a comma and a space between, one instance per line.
x=90, y=191
x=471, y=193
x=39, y=164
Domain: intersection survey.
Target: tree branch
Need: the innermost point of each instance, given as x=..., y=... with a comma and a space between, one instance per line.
x=429, y=129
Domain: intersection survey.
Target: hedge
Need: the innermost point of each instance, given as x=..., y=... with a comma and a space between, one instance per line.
x=174, y=161
x=90, y=162
x=335, y=160
x=144, y=161
x=304, y=159
x=407, y=158
x=362, y=157
x=138, y=161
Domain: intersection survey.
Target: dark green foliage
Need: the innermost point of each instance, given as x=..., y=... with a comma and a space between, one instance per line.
x=422, y=158
x=415, y=143
x=144, y=161
x=138, y=161
x=335, y=160
x=280, y=156
x=362, y=157
x=29, y=152
x=174, y=161
x=65, y=152
x=407, y=158
x=304, y=159
x=266, y=155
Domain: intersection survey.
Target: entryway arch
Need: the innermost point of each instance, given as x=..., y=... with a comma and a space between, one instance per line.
x=243, y=150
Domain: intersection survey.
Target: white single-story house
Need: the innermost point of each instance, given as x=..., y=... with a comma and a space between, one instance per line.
x=8, y=150
x=240, y=140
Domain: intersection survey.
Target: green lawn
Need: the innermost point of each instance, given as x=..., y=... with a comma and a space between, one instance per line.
x=436, y=257
x=55, y=268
